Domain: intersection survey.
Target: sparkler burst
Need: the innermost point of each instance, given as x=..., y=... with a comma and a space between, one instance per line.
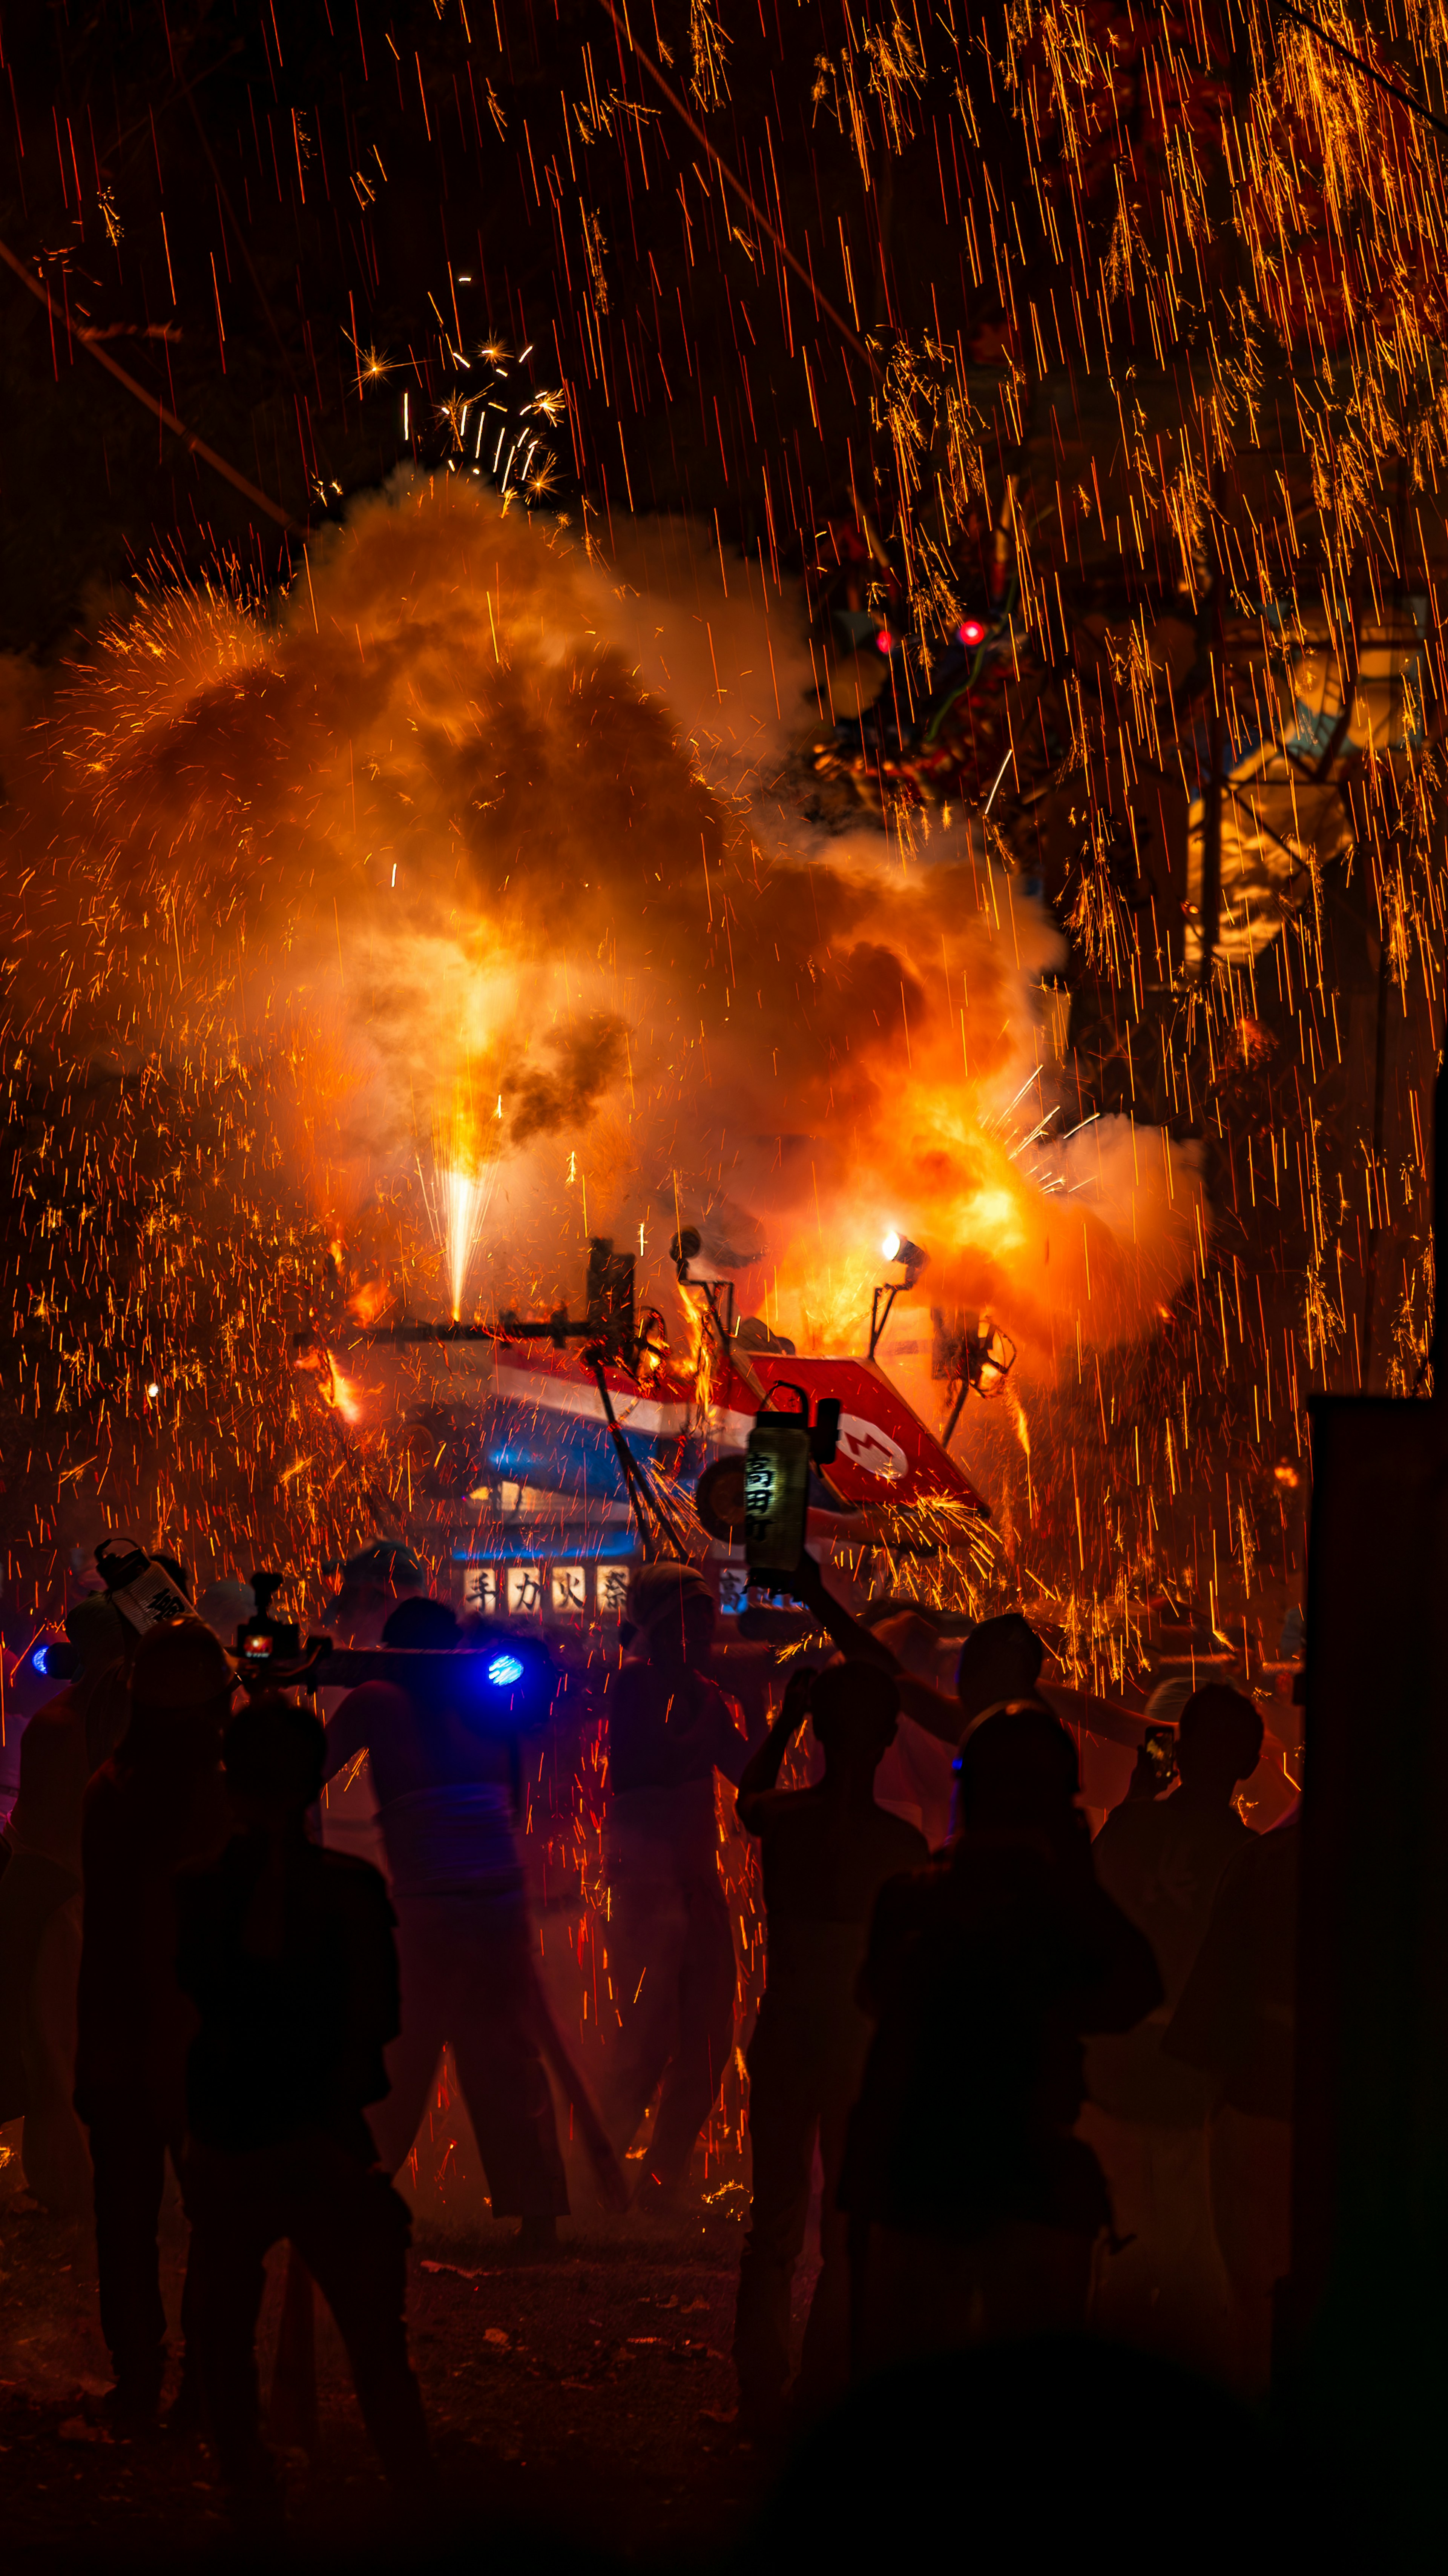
x=494, y=426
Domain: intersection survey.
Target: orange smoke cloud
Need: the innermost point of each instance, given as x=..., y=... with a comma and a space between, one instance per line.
x=471, y=810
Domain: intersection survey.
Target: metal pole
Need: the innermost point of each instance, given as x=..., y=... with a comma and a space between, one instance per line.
x=889, y=1290
x=640, y=1493
x=1211, y=914
x=1380, y=1068
x=1439, y=1346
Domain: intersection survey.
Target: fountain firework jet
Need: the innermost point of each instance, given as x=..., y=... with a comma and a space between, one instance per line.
x=465, y=1200
x=456, y=1192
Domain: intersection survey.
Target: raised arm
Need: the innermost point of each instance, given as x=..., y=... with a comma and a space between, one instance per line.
x=847, y=1633
x=935, y=1710
x=938, y=1712
x=763, y=1768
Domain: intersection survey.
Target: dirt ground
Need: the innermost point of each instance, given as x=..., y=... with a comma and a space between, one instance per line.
x=581, y=2410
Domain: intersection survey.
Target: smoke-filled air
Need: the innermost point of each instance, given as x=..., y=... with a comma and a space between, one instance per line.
x=724, y=1076
x=392, y=944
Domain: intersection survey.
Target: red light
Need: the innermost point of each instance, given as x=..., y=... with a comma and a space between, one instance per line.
x=885, y=640
x=971, y=631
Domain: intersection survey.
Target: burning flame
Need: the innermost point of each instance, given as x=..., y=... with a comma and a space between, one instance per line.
x=370, y=1300
x=341, y=1393
x=338, y=1392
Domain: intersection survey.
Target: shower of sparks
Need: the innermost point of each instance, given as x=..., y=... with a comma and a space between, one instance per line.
x=1078, y=385
x=493, y=426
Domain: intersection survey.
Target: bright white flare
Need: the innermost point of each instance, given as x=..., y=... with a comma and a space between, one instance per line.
x=457, y=1206
x=465, y=1198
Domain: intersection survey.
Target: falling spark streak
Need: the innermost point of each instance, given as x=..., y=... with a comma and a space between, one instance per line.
x=1322, y=261
x=1000, y=773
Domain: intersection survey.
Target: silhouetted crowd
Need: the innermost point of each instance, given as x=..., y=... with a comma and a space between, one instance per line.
x=1033, y=2085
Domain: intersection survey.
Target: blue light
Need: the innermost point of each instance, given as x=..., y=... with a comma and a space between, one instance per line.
x=504, y=1670
x=41, y=1660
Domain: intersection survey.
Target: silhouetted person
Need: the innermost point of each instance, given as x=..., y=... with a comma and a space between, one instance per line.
x=826, y=1852
x=444, y=1772
x=156, y=1804
x=40, y=1907
x=226, y=1605
x=286, y=1951
x=916, y=1780
x=374, y=1581
x=1000, y=1660
x=670, y=1942
x=986, y=1972
x=1235, y=2023
x=1161, y=1858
